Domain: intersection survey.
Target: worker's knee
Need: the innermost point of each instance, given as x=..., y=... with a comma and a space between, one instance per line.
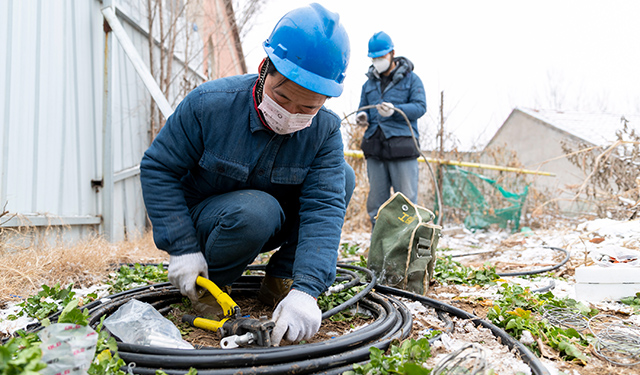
x=254, y=216
x=246, y=217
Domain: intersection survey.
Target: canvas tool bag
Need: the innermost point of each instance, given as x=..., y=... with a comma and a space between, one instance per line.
x=403, y=245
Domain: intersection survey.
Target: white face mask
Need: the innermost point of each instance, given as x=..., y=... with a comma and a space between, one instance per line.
x=280, y=120
x=381, y=64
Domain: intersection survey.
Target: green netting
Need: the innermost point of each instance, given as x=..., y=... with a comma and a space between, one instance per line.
x=460, y=189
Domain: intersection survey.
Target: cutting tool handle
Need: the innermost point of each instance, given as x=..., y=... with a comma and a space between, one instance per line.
x=211, y=325
x=229, y=307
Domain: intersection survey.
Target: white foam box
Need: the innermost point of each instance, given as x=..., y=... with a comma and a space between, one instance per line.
x=595, y=283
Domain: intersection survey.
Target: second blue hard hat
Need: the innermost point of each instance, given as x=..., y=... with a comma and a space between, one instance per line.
x=310, y=47
x=380, y=44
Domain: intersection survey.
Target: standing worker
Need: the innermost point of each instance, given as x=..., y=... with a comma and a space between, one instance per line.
x=253, y=163
x=388, y=144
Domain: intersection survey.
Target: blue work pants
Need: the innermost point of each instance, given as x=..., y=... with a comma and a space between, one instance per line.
x=401, y=175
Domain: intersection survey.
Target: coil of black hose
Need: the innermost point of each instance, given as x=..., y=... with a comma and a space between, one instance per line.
x=392, y=320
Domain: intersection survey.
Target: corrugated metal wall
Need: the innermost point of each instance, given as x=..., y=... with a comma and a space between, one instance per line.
x=51, y=113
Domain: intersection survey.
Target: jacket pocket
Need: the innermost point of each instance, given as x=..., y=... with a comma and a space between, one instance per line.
x=401, y=93
x=227, y=168
x=289, y=175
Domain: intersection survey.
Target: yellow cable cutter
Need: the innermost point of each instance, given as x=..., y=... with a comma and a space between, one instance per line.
x=234, y=330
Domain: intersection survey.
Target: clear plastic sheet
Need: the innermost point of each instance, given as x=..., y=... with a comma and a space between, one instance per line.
x=139, y=323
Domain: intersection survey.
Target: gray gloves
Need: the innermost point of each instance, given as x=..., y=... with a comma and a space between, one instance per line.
x=184, y=270
x=298, y=316
x=362, y=119
x=385, y=109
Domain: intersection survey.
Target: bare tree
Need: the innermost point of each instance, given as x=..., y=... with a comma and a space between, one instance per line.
x=246, y=11
x=613, y=175
x=167, y=27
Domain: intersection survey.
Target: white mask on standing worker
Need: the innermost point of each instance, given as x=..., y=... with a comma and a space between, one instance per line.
x=381, y=64
x=280, y=120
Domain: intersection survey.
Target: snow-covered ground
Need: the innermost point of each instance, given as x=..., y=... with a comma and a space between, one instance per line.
x=588, y=243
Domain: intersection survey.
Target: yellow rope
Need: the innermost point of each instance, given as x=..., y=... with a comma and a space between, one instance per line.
x=359, y=154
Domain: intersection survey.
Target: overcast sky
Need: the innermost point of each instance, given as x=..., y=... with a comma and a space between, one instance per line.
x=489, y=56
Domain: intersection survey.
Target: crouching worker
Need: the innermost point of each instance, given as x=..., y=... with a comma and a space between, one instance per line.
x=253, y=163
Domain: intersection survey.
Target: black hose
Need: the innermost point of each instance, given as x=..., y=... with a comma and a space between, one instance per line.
x=529, y=272
x=522, y=273
x=545, y=269
x=352, y=301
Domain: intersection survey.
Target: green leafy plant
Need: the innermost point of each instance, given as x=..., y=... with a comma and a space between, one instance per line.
x=48, y=301
x=131, y=277
x=406, y=358
x=633, y=301
x=448, y=271
x=21, y=355
x=107, y=360
x=191, y=371
x=328, y=302
x=347, y=250
x=360, y=263
x=514, y=312
x=432, y=333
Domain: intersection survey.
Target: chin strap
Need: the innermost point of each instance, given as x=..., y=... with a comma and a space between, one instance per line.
x=258, y=88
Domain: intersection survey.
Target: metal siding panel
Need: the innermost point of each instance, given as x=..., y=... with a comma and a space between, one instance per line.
x=132, y=198
x=6, y=45
x=20, y=137
x=96, y=48
x=118, y=213
x=50, y=109
x=131, y=114
x=36, y=107
x=53, y=109
x=138, y=132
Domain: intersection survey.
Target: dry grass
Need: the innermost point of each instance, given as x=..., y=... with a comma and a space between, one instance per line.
x=357, y=218
x=24, y=270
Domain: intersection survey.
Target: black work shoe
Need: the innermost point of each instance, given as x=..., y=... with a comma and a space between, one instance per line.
x=208, y=306
x=273, y=290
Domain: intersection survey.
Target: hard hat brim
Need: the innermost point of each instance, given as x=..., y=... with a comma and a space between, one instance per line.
x=304, y=78
x=381, y=53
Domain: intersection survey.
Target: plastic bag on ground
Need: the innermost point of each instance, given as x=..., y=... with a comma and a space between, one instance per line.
x=67, y=348
x=139, y=323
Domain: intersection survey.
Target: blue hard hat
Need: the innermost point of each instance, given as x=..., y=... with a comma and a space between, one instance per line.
x=310, y=47
x=380, y=44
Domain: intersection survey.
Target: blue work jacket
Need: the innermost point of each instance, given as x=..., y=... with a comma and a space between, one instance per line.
x=405, y=92
x=211, y=144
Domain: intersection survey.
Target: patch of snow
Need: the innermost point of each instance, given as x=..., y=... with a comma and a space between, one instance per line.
x=550, y=366
x=8, y=327
x=415, y=307
x=612, y=228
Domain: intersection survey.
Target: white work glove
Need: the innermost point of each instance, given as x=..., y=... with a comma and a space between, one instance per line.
x=298, y=316
x=184, y=270
x=385, y=109
x=362, y=119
